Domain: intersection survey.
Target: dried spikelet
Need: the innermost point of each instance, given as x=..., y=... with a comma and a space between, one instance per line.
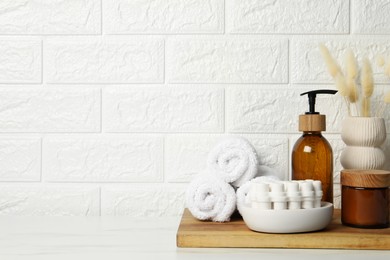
x=380, y=61
x=351, y=65
x=367, y=80
x=331, y=64
x=353, y=92
x=341, y=85
x=386, y=98
x=387, y=68
x=367, y=83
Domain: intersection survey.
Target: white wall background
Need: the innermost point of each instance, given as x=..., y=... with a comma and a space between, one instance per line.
x=109, y=107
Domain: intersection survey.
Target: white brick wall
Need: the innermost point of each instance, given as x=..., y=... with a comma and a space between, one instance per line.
x=48, y=109
x=228, y=59
x=20, y=159
x=110, y=107
x=99, y=59
x=50, y=17
x=163, y=109
x=160, y=17
x=20, y=60
x=288, y=16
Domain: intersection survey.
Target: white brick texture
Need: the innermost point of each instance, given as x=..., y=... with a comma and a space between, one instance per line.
x=163, y=16
x=163, y=110
x=20, y=159
x=49, y=110
x=50, y=17
x=104, y=60
x=227, y=61
x=186, y=155
x=288, y=16
x=370, y=17
x=53, y=200
x=20, y=60
x=110, y=107
x=143, y=201
x=119, y=159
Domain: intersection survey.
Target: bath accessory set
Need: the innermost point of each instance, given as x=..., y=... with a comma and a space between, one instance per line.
x=286, y=207
x=231, y=163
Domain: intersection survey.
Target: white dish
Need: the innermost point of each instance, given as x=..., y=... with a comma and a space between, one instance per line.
x=288, y=221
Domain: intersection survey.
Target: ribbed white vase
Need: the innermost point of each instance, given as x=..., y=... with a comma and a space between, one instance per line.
x=364, y=137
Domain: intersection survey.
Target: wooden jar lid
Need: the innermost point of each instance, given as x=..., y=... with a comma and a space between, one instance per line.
x=365, y=178
x=312, y=122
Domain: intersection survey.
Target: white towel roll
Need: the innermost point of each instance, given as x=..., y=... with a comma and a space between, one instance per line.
x=209, y=198
x=234, y=160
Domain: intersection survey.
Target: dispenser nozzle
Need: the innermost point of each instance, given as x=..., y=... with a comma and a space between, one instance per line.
x=312, y=98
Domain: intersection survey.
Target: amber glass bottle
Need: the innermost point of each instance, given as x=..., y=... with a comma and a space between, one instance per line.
x=312, y=158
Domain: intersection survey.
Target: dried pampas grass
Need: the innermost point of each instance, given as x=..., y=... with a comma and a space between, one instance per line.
x=386, y=100
x=386, y=97
x=356, y=87
x=367, y=83
x=367, y=79
x=351, y=65
x=387, y=68
x=343, y=90
x=352, y=72
x=380, y=61
x=333, y=67
x=341, y=85
x=353, y=95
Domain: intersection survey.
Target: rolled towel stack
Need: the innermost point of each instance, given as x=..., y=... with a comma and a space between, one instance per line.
x=234, y=161
x=209, y=198
x=211, y=195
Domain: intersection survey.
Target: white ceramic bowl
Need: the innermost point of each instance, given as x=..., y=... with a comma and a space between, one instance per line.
x=288, y=221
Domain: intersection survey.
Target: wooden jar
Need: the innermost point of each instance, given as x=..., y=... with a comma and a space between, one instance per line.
x=365, y=198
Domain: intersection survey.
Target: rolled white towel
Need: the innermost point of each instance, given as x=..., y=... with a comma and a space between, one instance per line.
x=244, y=189
x=234, y=160
x=209, y=198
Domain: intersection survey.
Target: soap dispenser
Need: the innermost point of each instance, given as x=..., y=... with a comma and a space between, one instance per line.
x=312, y=156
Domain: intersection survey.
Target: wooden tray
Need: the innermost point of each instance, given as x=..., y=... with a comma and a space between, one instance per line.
x=196, y=233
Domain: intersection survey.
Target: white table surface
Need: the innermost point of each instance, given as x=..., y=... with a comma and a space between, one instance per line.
x=128, y=238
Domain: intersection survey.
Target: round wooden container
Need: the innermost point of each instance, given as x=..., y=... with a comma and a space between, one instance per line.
x=365, y=198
